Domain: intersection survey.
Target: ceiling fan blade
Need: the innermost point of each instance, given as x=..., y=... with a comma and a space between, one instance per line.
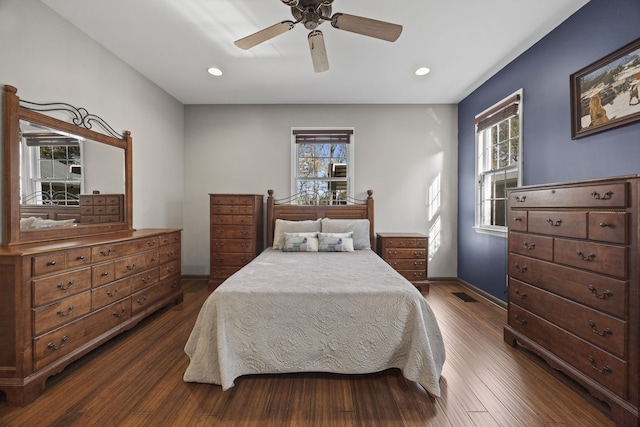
x=318, y=51
x=264, y=35
x=366, y=26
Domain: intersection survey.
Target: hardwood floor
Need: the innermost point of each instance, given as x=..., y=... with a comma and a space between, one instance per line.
x=136, y=380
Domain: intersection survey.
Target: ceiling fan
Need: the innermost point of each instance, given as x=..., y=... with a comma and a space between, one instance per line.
x=313, y=13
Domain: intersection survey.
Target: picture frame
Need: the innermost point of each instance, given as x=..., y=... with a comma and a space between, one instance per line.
x=604, y=95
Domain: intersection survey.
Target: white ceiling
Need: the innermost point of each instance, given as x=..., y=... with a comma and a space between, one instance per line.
x=173, y=42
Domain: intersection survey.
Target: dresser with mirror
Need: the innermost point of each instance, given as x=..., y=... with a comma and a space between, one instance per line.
x=74, y=273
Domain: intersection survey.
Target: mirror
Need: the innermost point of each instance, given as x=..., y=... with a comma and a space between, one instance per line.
x=62, y=179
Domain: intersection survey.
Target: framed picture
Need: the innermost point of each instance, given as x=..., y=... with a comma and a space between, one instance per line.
x=604, y=95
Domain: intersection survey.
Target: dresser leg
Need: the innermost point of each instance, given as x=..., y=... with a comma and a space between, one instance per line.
x=509, y=337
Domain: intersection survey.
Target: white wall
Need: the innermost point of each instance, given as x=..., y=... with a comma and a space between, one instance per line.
x=399, y=151
x=49, y=60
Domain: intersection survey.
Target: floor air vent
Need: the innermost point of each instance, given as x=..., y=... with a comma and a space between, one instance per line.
x=464, y=297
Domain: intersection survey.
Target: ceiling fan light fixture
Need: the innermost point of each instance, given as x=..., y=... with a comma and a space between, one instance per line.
x=423, y=71
x=214, y=71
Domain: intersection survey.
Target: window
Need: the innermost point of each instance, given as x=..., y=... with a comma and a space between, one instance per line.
x=322, y=166
x=54, y=175
x=498, y=161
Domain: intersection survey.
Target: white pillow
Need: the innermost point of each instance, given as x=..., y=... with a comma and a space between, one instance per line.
x=359, y=227
x=282, y=226
x=300, y=242
x=335, y=242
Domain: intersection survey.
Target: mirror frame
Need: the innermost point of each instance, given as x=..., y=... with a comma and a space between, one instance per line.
x=13, y=112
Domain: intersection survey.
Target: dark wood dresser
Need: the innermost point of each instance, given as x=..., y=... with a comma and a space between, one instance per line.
x=407, y=253
x=59, y=300
x=573, y=284
x=236, y=223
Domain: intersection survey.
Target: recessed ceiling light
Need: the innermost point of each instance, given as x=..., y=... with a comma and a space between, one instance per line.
x=422, y=71
x=214, y=71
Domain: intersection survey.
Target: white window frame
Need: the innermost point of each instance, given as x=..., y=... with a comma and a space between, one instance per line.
x=350, y=158
x=482, y=169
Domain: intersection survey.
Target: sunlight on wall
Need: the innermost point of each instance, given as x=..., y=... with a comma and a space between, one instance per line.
x=433, y=206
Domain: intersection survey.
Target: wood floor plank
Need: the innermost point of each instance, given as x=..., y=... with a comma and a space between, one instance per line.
x=136, y=380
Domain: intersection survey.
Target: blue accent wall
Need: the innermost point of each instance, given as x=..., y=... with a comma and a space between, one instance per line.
x=549, y=154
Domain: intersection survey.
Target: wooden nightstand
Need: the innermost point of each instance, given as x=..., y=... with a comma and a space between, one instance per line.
x=407, y=254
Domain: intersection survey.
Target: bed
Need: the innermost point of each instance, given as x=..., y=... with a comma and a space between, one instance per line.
x=342, y=311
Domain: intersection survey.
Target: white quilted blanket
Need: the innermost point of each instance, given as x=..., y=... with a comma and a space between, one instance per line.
x=340, y=312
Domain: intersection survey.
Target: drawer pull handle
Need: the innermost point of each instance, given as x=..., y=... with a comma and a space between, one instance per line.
x=520, y=269
x=171, y=254
x=151, y=243
x=113, y=293
x=170, y=269
x=595, y=330
x=121, y=313
x=146, y=279
x=131, y=267
x=51, y=263
x=105, y=274
x=517, y=219
x=143, y=301
x=584, y=257
x=175, y=284
x=81, y=257
x=521, y=199
x=522, y=295
x=107, y=252
x=63, y=314
x=530, y=246
x=520, y=322
x=64, y=287
x=606, y=294
x=58, y=347
x=606, y=370
x=554, y=223
x=603, y=224
x=605, y=196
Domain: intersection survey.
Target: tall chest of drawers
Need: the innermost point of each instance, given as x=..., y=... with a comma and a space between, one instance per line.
x=573, y=284
x=407, y=254
x=62, y=299
x=236, y=223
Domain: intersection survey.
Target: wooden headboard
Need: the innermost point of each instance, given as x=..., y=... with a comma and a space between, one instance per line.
x=292, y=212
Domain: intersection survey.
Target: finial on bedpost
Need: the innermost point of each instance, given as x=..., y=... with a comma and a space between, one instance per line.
x=369, y=193
x=270, y=193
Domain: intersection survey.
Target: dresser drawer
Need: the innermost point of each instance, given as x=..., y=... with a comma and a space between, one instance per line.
x=598, y=328
x=609, y=227
x=231, y=232
x=408, y=264
x=50, y=316
x=607, y=259
x=413, y=275
x=145, y=279
x=588, y=196
x=517, y=220
x=559, y=223
x=150, y=296
x=59, y=342
x=102, y=274
x=116, y=250
x=131, y=265
x=592, y=361
x=232, y=209
x=404, y=243
x=600, y=292
x=78, y=257
x=531, y=245
x=231, y=259
x=52, y=288
x=49, y=263
x=169, y=252
x=170, y=238
x=110, y=293
x=230, y=199
x=169, y=268
x=393, y=253
x=232, y=245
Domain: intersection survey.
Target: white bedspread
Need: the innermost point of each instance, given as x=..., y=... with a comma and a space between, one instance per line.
x=341, y=312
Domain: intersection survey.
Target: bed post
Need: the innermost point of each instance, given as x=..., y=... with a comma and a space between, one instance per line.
x=270, y=220
x=372, y=235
